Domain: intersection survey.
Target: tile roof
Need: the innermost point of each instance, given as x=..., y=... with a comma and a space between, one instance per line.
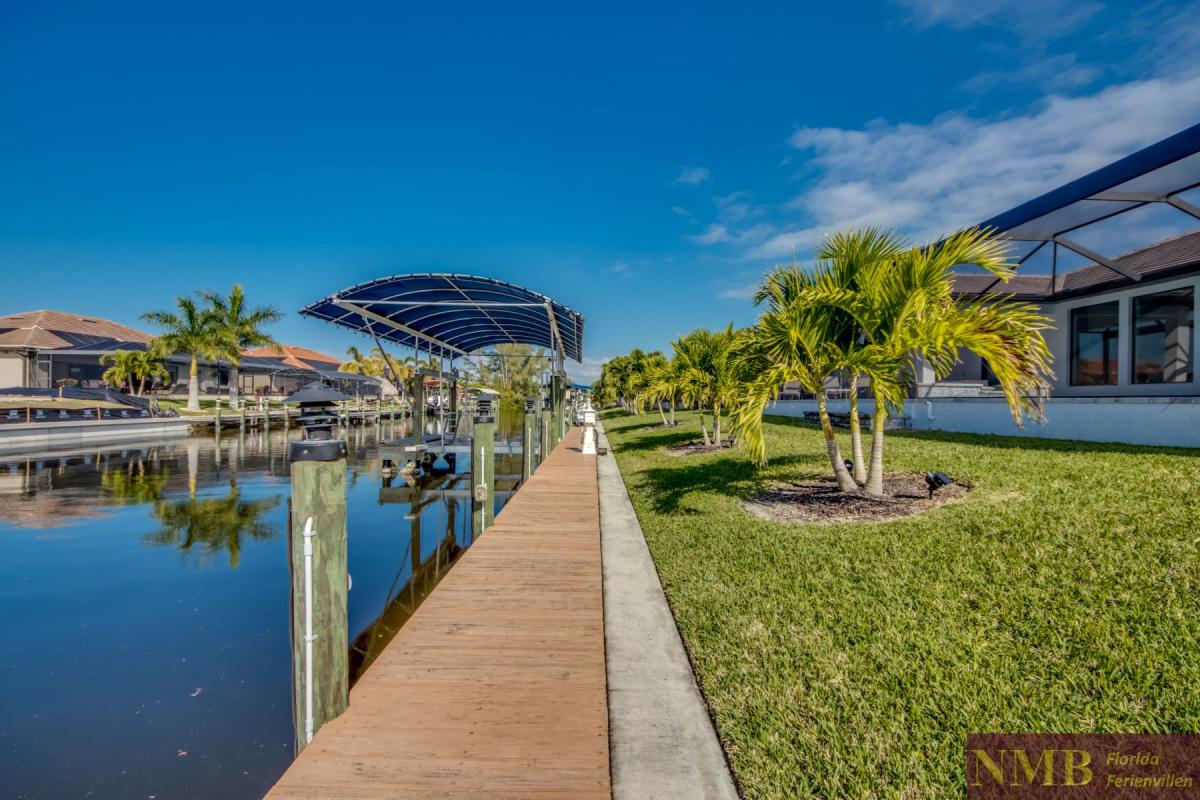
x=1179, y=254
x=45, y=329
x=294, y=356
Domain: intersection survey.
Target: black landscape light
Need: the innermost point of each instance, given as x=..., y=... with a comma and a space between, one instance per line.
x=318, y=414
x=937, y=480
x=485, y=409
x=530, y=405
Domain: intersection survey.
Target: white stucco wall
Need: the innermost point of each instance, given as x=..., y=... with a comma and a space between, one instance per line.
x=1167, y=421
x=12, y=370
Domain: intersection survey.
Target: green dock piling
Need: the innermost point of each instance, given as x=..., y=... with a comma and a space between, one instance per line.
x=529, y=440
x=318, y=472
x=483, y=465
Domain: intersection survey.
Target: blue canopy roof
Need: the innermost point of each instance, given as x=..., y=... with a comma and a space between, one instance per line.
x=1156, y=174
x=452, y=315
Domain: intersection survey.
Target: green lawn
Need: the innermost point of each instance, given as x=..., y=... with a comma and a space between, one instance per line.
x=846, y=661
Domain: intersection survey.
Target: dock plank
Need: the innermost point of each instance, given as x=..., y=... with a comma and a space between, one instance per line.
x=496, y=687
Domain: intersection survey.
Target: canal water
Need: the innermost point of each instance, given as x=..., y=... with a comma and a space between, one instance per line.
x=144, y=643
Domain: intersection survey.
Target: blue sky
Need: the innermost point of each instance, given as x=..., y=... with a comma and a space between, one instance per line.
x=642, y=163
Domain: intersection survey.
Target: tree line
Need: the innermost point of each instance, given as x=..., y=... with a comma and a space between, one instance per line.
x=870, y=307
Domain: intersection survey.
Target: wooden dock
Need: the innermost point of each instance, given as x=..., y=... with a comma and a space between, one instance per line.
x=496, y=687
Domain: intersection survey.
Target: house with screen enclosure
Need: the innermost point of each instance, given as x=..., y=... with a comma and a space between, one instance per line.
x=45, y=349
x=1092, y=255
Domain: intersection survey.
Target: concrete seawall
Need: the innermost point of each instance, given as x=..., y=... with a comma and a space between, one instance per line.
x=15, y=437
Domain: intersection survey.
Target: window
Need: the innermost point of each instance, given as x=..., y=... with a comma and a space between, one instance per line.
x=1163, y=333
x=1094, y=333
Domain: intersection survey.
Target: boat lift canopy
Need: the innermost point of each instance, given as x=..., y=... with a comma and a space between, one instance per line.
x=1158, y=174
x=453, y=315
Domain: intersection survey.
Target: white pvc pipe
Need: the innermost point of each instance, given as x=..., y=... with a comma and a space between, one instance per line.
x=309, y=638
x=483, y=505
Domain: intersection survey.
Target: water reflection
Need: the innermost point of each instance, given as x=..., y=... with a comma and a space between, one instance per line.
x=154, y=620
x=212, y=524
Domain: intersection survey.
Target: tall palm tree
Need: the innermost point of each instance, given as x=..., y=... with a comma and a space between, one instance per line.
x=242, y=326
x=194, y=331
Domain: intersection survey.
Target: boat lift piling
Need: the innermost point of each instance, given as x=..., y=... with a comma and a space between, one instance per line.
x=483, y=464
x=317, y=557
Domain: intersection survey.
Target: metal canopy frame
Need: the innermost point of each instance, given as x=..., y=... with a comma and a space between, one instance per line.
x=1157, y=174
x=453, y=315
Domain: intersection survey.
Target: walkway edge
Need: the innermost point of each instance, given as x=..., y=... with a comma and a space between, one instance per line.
x=661, y=738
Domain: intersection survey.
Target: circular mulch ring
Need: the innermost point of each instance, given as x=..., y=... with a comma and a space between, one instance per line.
x=820, y=501
x=696, y=447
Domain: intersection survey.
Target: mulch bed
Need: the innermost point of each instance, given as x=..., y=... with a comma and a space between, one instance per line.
x=696, y=447
x=820, y=501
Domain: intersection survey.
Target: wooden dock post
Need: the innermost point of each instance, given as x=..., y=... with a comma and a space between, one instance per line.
x=529, y=439
x=544, y=450
x=320, y=674
x=556, y=399
x=418, y=408
x=483, y=465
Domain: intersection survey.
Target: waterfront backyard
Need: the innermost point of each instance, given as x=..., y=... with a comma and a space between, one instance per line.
x=851, y=660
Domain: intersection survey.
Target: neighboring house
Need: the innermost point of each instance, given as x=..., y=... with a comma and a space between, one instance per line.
x=42, y=348
x=26, y=337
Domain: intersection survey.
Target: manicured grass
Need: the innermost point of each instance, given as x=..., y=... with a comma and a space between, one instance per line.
x=847, y=661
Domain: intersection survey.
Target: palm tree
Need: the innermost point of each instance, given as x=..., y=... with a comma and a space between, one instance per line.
x=193, y=331
x=898, y=302
x=121, y=371
x=358, y=363
x=792, y=341
x=663, y=380
x=242, y=326
x=708, y=376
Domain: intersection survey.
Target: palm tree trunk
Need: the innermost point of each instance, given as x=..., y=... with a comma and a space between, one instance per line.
x=672, y=411
x=141, y=385
x=193, y=386
x=233, y=386
x=717, y=424
x=662, y=413
x=874, y=484
x=844, y=481
x=856, y=448
x=704, y=430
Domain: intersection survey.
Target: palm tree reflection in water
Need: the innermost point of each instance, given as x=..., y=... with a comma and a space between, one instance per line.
x=213, y=524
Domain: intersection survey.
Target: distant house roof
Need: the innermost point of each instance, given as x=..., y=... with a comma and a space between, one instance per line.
x=1166, y=258
x=49, y=330
x=293, y=356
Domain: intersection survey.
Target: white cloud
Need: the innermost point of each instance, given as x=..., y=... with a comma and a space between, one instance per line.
x=680, y=211
x=927, y=180
x=1060, y=72
x=692, y=176
x=622, y=269
x=588, y=370
x=713, y=234
x=1046, y=19
x=743, y=292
